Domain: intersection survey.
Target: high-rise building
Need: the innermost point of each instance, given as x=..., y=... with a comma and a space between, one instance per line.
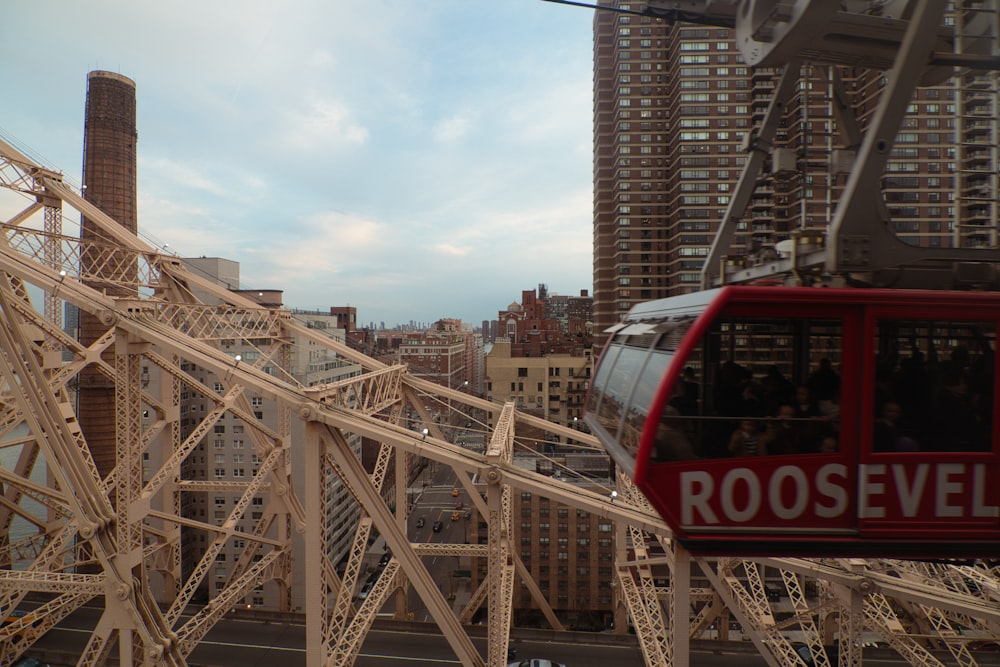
x=227, y=455
x=438, y=356
x=675, y=109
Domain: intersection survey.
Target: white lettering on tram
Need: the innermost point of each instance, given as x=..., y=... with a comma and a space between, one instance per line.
x=979, y=507
x=696, y=489
x=910, y=494
x=729, y=486
x=930, y=491
x=801, y=492
x=950, y=492
x=827, y=488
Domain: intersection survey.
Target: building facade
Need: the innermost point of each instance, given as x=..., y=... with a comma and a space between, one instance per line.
x=542, y=363
x=673, y=108
x=569, y=552
x=227, y=454
x=553, y=386
x=438, y=356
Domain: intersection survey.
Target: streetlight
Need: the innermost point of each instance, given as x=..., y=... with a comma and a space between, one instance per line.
x=62, y=277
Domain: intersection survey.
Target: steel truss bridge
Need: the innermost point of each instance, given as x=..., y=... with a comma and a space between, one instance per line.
x=116, y=539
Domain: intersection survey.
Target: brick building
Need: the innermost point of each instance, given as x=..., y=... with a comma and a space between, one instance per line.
x=673, y=108
x=543, y=366
x=569, y=552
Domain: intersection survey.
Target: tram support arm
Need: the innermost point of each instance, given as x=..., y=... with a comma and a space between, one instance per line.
x=857, y=241
x=759, y=148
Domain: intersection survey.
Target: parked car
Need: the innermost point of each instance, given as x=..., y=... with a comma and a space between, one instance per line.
x=24, y=617
x=437, y=526
x=985, y=646
x=366, y=589
x=420, y=522
x=30, y=662
x=832, y=654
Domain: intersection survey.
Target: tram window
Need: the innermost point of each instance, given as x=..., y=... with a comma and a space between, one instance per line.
x=646, y=384
x=763, y=386
x=596, y=395
x=627, y=380
x=934, y=386
x=616, y=379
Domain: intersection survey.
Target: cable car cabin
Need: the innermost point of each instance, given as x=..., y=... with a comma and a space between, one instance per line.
x=782, y=420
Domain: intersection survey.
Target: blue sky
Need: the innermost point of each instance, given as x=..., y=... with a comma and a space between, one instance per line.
x=416, y=159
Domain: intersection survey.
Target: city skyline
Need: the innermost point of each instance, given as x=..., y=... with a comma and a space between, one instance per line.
x=432, y=166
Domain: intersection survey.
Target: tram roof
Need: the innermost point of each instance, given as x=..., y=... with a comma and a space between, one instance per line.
x=696, y=302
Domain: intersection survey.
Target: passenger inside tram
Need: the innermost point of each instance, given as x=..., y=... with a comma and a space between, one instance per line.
x=938, y=395
x=757, y=386
x=762, y=395
x=671, y=442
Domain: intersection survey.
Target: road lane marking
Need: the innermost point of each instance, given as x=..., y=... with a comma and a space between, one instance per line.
x=379, y=656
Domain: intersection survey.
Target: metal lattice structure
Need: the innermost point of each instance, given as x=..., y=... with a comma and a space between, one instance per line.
x=118, y=538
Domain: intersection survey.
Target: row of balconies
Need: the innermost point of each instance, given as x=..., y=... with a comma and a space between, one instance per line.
x=978, y=156
x=978, y=126
x=973, y=80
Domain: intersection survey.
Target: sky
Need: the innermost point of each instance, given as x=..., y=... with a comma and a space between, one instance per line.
x=416, y=159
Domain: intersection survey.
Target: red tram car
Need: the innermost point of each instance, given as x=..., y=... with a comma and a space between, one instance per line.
x=809, y=421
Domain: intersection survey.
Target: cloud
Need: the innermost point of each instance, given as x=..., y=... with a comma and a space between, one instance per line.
x=450, y=130
x=451, y=249
x=391, y=169
x=323, y=124
x=178, y=174
x=189, y=227
x=326, y=243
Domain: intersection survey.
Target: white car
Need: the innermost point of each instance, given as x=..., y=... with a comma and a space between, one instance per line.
x=535, y=662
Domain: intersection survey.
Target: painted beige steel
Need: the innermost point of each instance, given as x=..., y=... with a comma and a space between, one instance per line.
x=138, y=535
x=116, y=540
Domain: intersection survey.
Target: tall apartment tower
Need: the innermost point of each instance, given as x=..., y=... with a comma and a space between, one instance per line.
x=109, y=182
x=673, y=104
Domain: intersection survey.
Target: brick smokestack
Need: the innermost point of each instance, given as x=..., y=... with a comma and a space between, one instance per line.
x=109, y=182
